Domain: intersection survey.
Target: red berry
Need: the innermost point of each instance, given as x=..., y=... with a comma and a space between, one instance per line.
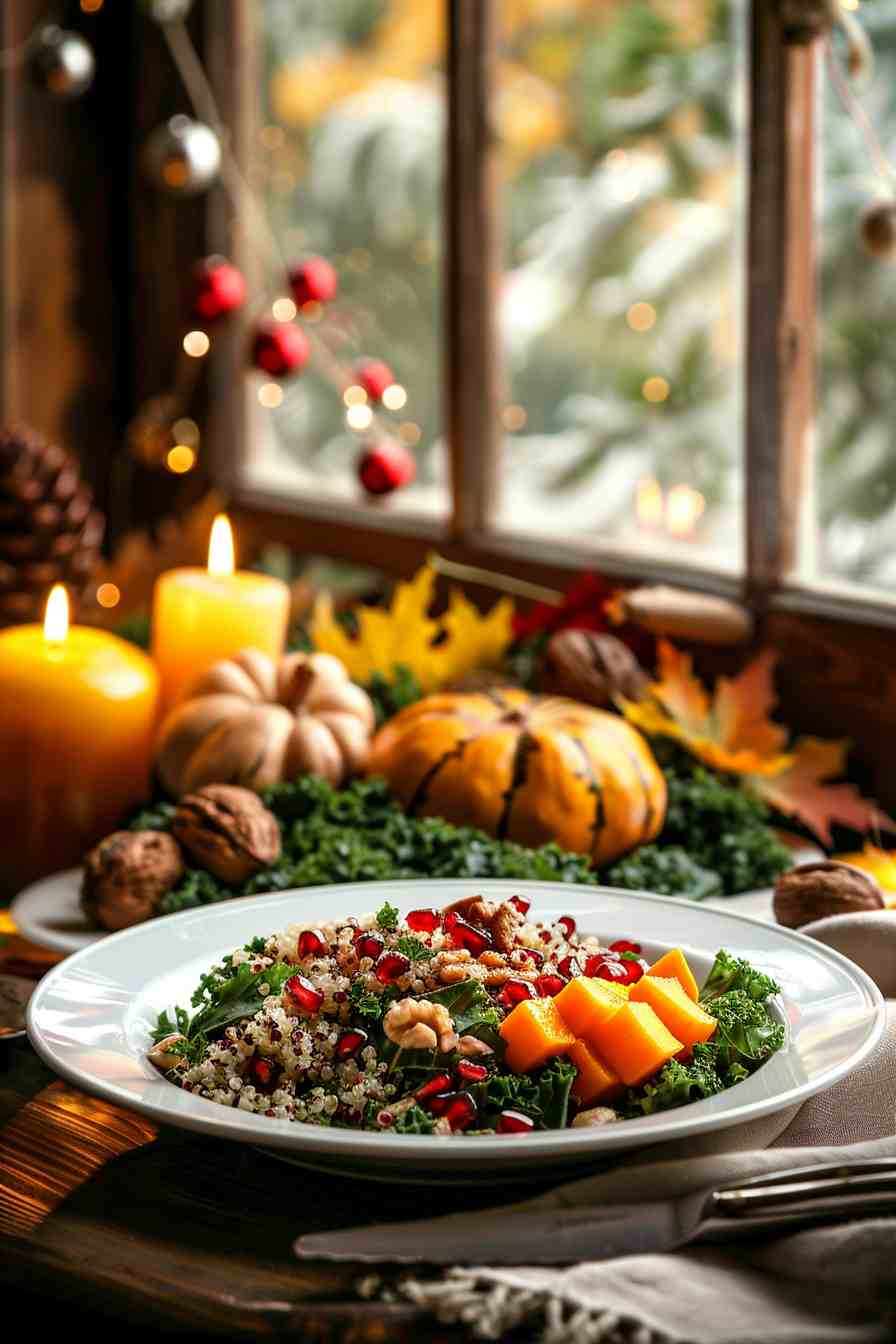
x=623, y=945
x=468, y=1072
x=350, y=1042
x=390, y=966
x=536, y=958
x=218, y=288
x=262, y=1071
x=311, y=944
x=612, y=970
x=384, y=466
x=374, y=376
x=279, y=348
x=458, y=1108
x=440, y=1083
x=514, y=992
x=368, y=944
x=521, y=904
x=313, y=281
x=593, y=963
x=303, y=993
x=569, y=968
x=476, y=941
x=567, y=924
x=514, y=1122
x=423, y=921
x=549, y=985
x=631, y=971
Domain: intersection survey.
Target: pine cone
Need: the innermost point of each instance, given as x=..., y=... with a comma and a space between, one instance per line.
x=49, y=530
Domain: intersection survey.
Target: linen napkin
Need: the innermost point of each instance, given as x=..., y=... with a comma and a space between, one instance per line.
x=829, y=1285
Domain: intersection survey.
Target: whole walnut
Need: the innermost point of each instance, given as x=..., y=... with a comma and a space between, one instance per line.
x=127, y=874
x=815, y=890
x=227, y=830
x=591, y=667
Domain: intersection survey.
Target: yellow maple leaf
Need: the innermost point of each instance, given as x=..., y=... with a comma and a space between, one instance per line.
x=731, y=731
x=436, y=650
x=880, y=863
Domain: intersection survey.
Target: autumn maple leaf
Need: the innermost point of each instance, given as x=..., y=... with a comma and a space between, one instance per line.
x=800, y=791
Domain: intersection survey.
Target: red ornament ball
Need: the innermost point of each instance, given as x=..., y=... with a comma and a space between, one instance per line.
x=385, y=466
x=279, y=348
x=313, y=281
x=218, y=288
x=374, y=376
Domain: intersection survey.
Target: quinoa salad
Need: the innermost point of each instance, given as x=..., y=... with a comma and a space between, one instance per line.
x=475, y=1019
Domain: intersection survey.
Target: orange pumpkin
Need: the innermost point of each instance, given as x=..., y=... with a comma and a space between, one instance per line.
x=526, y=768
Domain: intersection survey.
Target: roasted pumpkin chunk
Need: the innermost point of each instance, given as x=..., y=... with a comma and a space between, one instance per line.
x=595, y=1081
x=584, y=1002
x=634, y=1042
x=674, y=963
x=533, y=1032
x=684, y=1018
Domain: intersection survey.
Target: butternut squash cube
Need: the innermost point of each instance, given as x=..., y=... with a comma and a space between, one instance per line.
x=595, y=1081
x=634, y=1043
x=673, y=963
x=668, y=999
x=583, y=1002
x=533, y=1032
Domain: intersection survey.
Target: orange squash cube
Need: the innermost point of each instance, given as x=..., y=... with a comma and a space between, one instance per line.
x=673, y=963
x=584, y=1002
x=533, y=1032
x=668, y=999
x=635, y=1043
x=595, y=1081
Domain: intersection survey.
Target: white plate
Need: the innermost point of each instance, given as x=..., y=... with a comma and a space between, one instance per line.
x=91, y=1016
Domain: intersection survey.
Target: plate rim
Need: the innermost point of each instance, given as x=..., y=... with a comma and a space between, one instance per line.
x=561, y=1145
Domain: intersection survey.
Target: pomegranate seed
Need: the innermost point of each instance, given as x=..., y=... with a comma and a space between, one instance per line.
x=474, y=940
x=350, y=1043
x=593, y=963
x=521, y=904
x=449, y=919
x=311, y=944
x=390, y=966
x=514, y=1122
x=569, y=968
x=536, y=958
x=623, y=945
x=424, y=921
x=612, y=970
x=303, y=993
x=468, y=1072
x=631, y=971
x=545, y=936
x=368, y=945
x=458, y=1108
x=549, y=985
x=514, y=992
x=262, y=1071
x=567, y=924
x=438, y=1084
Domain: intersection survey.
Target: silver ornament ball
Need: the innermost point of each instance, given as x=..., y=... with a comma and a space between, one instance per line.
x=183, y=156
x=62, y=62
x=166, y=11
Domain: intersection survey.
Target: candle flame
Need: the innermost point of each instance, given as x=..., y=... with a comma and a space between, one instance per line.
x=56, y=618
x=220, y=547
x=684, y=509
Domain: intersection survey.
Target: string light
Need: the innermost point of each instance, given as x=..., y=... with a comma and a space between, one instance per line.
x=180, y=459
x=684, y=508
x=270, y=395
x=655, y=389
x=394, y=397
x=359, y=417
x=514, y=417
x=409, y=433
x=196, y=344
x=108, y=595
x=354, y=395
x=641, y=316
x=186, y=431
x=284, y=310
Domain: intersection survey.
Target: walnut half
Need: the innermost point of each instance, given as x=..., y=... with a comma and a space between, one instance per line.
x=417, y=1024
x=815, y=890
x=227, y=830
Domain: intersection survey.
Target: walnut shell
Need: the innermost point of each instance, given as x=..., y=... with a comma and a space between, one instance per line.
x=227, y=830
x=815, y=890
x=591, y=667
x=127, y=874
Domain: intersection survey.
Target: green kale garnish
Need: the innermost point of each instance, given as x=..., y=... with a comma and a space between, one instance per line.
x=730, y=973
x=666, y=869
x=154, y=817
x=239, y=995
x=166, y=1026
x=745, y=1034
x=365, y=1002
x=543, y=1095
x=387, y=917
x=413, y=948
x=391, y=694
x=675, y=1085
x=413, y=1121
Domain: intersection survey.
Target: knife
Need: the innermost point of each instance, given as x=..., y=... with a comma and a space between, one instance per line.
x=779, y=1201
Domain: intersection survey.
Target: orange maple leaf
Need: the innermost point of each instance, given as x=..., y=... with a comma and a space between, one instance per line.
x=800, y=791
x=731, y=731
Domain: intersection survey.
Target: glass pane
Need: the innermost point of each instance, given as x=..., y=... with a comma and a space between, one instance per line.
x=853, y=495
x=350, y=163
x=622, y=133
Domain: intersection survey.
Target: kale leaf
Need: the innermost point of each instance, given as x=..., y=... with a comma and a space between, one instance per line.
x=746, y=1034
x=413, y=1121
x=542, y=1095
x=666, y=869
x=676, y=1084
x=730, y=973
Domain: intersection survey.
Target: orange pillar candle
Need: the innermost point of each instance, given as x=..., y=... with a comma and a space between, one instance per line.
x=202, y=615
x=77, y=718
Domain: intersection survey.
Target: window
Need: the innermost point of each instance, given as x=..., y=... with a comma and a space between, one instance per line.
x=582, y=237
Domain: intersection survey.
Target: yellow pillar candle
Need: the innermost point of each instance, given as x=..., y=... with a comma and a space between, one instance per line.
x=202, y=615
x=77, y=718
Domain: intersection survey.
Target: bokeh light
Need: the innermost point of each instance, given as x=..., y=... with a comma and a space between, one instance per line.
x=197, y=344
